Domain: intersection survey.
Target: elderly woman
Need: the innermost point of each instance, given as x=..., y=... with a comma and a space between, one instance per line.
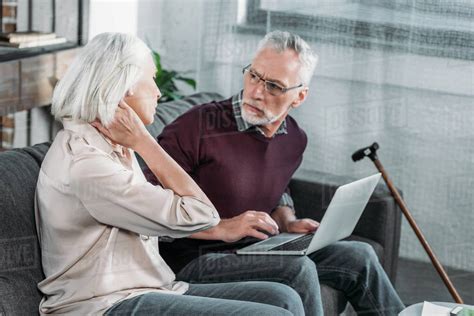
x=98, y=219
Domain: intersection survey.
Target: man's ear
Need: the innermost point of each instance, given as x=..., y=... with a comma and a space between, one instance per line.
x=300, y=98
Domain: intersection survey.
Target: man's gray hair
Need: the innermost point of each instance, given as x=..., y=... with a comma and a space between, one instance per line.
x=281, y=41
x=101, y=74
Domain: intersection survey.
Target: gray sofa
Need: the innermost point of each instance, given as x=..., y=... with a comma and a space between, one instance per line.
x=20, y=265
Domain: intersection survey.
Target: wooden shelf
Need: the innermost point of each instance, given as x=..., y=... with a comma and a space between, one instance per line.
x=28, y=76
x=28, y=82
x=10, y=53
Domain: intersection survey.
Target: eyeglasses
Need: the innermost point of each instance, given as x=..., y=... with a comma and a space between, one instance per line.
x=271, y=87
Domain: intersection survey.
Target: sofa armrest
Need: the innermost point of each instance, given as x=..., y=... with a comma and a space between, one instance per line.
x=380, y=221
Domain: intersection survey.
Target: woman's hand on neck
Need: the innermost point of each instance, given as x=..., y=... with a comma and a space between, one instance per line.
x=126, y=129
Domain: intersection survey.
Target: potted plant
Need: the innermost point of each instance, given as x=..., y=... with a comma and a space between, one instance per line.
x=166, y=81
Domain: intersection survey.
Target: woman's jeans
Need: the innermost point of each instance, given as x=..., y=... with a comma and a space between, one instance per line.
x=233, y=298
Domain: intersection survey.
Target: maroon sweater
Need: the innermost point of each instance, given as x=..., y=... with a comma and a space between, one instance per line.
x=238, y=171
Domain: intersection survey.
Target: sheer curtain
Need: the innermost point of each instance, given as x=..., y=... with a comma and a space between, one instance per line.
x=398, y=72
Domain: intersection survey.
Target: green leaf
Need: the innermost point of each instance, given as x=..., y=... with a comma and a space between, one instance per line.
x=165, y=80
x=157, y=61
x=190, y=81
x=175, y=96
x=169, y=96
x=166, y=76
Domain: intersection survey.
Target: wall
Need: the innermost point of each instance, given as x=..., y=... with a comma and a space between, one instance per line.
x=113, y=15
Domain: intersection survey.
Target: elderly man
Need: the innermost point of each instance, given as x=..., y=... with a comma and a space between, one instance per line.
x=243, y=152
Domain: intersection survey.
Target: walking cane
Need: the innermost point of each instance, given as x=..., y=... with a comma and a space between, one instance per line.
x=371, y=152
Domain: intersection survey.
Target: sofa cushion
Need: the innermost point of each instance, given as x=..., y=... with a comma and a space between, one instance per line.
x=20, y=265
x=334, y=302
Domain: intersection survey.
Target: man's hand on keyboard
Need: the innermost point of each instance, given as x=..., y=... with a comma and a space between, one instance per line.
x=305, y=225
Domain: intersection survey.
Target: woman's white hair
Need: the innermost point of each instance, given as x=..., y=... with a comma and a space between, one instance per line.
x=99, y=77
x=281, y=41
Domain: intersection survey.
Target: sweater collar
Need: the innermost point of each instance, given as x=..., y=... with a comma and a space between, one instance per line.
x=243, y=125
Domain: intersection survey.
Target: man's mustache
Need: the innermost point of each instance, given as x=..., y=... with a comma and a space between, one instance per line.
x=253, y=104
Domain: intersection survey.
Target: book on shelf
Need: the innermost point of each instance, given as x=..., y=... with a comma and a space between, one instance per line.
x=22, y=37
x=35, y=43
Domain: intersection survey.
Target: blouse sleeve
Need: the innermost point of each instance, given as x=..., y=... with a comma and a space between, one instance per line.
x=114, y=196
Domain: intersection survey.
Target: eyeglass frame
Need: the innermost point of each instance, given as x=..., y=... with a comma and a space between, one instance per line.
x=283, y=89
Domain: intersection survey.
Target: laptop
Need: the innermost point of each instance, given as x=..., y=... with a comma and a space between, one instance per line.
x=338, y=222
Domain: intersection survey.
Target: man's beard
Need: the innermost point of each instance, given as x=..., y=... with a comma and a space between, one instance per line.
x=251, y=118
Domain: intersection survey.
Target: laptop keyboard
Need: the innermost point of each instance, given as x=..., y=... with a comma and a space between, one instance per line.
x=297, y=244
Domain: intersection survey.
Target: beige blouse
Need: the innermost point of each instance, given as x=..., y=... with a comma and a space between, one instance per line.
x=98, y=220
